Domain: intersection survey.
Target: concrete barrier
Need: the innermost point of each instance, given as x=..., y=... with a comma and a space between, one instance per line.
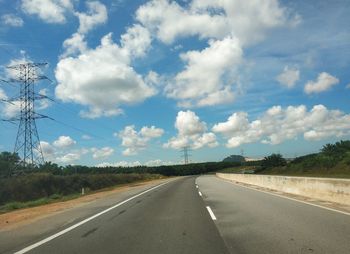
x=327, y=189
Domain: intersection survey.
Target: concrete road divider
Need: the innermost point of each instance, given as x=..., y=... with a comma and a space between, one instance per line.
x=328, y=189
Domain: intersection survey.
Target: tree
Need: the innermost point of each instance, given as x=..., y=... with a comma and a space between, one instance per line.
x=274, y=160
x=7, y=162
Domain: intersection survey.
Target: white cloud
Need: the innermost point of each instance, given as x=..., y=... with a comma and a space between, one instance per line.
x=74, y=45
x=101, y=79
x=102, y=153
x=12, y=20
x=64, y=142
x=86, y=137
x=123, y=164
x=324, y=82
x=207, y=139
x=68, y=158
x=151, y=132
x=191, y=132
x=135, y=141
x=96, y=15
x=348, y=86
x=277, y=125
x=208, y=75
x=60, y=150
x=169, y=20
x=47, y=149
x=50, y=11
x=236, y=122
x=44, y=102
x=3, y=95
x=151, y=163
x=247, y=20
x=156, y=163
x=228, y=25
x=136, y=40
x=11, y=109
x=288, y=77
x=188, y=124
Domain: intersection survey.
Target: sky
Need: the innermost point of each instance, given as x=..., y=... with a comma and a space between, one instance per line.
x=133, y=82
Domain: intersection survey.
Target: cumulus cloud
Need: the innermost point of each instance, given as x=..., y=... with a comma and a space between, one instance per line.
x=278, y=124
x=323, y=83
x=50, y=11
x=135, y=141
x=60, y=150
x=47, y=149
x=11, y=109
x=44, y=102
x=136, y=40
x=151, y=163
x=288, y=77
x=229, y=25
x=124, y=164
x=102, y=153
x=74, y=45
x=247, y=20
x=208, y=74
x=95, y=15
x=348, y=86
x=8, y=109
x=12, y=20
x=101, y=79
x=191, y=132
x=64, y=142
x=68, y=158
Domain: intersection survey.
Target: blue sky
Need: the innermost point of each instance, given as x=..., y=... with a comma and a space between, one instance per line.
x=134, y=81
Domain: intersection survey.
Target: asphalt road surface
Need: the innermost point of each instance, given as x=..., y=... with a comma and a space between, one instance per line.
x=178, y=217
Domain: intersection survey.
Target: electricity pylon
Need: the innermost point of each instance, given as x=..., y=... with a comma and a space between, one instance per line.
x=27, y=144
x=186, y=154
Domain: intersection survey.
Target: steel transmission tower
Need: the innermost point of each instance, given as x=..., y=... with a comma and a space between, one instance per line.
x=186, y=154
x=27, y=144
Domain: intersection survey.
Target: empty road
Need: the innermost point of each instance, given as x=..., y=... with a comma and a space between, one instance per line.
x=179, y=217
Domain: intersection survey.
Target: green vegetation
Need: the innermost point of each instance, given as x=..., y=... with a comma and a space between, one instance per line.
x=332, y=161
x=40, y=188
x=239, y=170
x=234, y=158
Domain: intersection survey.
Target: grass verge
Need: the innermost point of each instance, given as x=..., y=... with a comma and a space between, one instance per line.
x=54, y=198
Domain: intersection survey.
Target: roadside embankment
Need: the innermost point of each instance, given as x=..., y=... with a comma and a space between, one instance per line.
x=328, y=189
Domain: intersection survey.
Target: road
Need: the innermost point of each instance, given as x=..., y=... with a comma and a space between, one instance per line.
x=174, y=218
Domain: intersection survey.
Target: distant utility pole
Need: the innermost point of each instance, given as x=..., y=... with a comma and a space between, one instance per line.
x=27, y=144
x=186, y=154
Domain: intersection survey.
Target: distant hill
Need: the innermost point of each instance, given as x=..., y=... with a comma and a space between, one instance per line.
x=234, y=158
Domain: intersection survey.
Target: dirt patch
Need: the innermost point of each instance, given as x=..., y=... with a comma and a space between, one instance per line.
x=21, y=217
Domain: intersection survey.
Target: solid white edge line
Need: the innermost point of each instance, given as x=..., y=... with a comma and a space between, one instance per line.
x=212, y=215
x=294, y=199
x=35, y=245
x=200, y=193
